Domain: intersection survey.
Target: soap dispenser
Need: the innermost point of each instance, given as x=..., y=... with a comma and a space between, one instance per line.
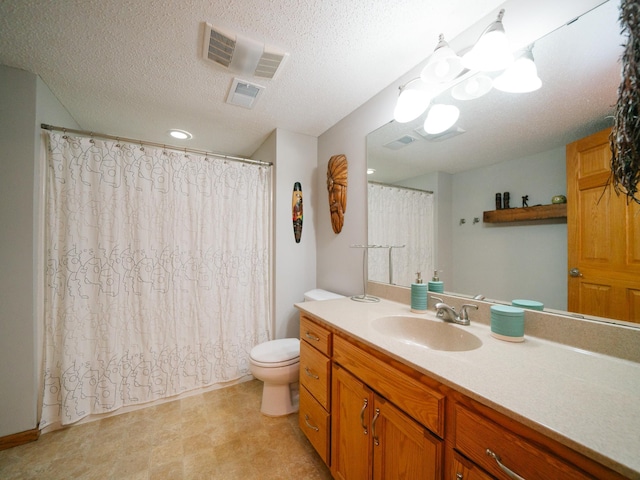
x=435, y=285
x=418, y=295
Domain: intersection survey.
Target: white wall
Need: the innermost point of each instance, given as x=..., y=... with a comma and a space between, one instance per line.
x=295, y=157
x=340, y=267
x=25, y=102
x=17, y=172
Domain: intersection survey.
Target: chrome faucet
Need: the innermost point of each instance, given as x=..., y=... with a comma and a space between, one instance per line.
x=449, y=314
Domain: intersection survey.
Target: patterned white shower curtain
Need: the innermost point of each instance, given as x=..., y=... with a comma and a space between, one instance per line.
x=399, y=216
x=157, y=274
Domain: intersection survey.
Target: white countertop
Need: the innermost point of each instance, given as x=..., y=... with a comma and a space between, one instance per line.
x=588, y=401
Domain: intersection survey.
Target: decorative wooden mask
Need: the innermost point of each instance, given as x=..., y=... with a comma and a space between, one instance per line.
x=337, y=187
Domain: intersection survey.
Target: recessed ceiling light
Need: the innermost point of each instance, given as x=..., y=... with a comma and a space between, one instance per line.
x=180, y=134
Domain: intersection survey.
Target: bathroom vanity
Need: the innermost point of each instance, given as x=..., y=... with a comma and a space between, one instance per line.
x=376, y=403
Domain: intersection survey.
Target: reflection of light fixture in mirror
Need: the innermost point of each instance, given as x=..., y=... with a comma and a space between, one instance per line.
x=521, y=76
x=413, y=101
x=473, y=87
x=443, y=66
x=492, y=51
x=440, y=118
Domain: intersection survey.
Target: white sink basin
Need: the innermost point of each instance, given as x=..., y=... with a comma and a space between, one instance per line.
x=425, y=333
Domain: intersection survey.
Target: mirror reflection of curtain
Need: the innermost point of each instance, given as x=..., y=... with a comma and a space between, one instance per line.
x=157, y=274
x=400, y=216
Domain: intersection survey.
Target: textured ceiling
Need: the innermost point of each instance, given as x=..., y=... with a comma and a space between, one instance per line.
x=134, y=68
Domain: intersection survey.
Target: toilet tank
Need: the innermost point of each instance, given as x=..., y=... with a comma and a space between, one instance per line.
x=319, y=294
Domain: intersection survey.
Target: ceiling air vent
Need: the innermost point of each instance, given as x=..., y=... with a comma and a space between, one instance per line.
x=241, y=54
x=400, y=142
x=244, y=94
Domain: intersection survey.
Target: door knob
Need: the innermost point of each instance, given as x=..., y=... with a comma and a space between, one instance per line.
x=574, y=272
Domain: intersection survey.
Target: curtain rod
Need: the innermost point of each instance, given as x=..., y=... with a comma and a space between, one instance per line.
x=86, y=133
x=401, y=188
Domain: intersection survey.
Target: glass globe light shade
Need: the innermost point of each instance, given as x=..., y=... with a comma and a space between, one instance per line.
x=443, y=65
x=472, y=88
x=440, y=118
x=412, y=103
x=492, y=52
x=521, y=77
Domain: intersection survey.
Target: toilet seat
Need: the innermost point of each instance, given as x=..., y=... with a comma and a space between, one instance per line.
x=276, y=353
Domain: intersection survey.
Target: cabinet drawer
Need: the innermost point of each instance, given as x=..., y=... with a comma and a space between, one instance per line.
x=315, y=335
x=476, y=436
x=415, y=398
x=314, y=421
x=315, y=371
x=464, y=469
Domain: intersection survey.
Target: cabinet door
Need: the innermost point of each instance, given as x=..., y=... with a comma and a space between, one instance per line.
x=351, y=403
x=402, y=448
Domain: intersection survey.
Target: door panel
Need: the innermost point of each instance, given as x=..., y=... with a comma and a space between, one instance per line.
x=603, y=233
x=402, y=448
x=350, y=421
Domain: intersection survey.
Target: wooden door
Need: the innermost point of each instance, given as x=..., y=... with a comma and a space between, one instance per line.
x=402, y=448
x=352, y=403
x=603, y=232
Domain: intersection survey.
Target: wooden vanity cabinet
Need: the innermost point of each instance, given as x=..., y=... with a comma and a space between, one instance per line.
x=373, y=439
x=314, y=416
x=374, y=429
x=370, y=416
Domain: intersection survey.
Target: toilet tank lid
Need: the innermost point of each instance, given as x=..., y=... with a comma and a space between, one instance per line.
x=319, y=294
x=276, y=351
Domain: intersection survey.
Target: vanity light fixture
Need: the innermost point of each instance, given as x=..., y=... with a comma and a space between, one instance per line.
x=180, y=134
x=492, y=51
x=521, y=76
x=371, y=171
x=440, y=118
x=413, y=100
x=444, y=64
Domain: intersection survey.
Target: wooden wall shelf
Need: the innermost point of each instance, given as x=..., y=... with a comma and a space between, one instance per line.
x=539, y=212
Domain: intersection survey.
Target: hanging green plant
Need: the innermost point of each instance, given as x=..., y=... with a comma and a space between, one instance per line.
x=625, y=136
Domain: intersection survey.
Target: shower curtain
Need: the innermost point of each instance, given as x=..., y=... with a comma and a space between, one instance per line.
x=399, y=216
x=157, y=274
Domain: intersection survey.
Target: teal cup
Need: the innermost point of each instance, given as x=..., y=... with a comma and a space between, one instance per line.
x=507, y=323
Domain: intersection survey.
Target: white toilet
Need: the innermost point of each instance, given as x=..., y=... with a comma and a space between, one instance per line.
x=277, y=364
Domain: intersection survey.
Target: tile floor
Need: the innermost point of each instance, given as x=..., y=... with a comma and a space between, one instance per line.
x=215, y=435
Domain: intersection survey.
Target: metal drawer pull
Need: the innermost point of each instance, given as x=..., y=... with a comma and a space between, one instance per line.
x=309, y=373
x=504, y=468
x=311, y=337
x=364, y=407
x=306, y=420
x=376, y=440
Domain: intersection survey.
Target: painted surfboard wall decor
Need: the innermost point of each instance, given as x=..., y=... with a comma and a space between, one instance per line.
x=296, y=211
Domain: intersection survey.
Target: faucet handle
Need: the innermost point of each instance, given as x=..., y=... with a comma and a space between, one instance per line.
x=464, y=315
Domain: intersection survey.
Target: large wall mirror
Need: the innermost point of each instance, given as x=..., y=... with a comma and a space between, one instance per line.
x=513, y=143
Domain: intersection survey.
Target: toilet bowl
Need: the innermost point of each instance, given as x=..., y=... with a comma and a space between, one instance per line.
x=277, y=364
